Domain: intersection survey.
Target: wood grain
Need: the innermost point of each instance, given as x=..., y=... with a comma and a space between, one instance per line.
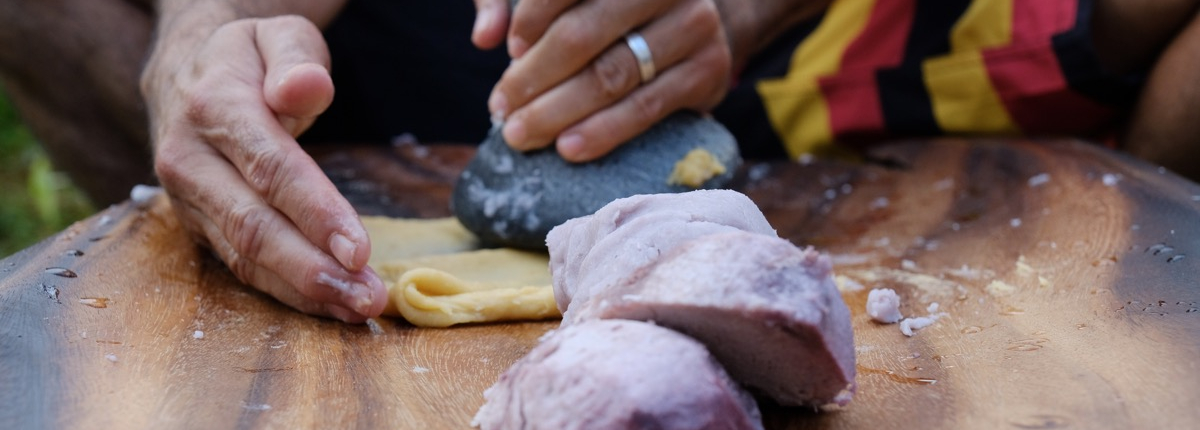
x=1090, y=320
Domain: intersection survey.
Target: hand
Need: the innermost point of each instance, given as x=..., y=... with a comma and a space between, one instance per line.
x=225, y=116
x=574, y=80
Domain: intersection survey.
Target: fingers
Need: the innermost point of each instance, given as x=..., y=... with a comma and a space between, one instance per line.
x=571, y=42
x=530, y=21
x=262, y=248
x=612, y=76
x=269, y=160
x=297, y=86
x=595, y=108
x=491, y=21
x=686, y=86
x=232, y=165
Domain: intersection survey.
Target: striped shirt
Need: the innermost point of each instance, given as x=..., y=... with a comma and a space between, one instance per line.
x=869, y=70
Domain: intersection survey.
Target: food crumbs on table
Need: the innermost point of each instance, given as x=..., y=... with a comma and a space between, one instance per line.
x=373, y=324
x=1039, y=180
x=883, y=305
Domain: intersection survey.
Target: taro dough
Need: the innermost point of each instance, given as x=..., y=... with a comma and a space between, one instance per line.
x=436, y=277
x=617, y=374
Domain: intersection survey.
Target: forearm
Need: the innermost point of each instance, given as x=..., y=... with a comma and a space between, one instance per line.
x=186, y=22
x=751, y=25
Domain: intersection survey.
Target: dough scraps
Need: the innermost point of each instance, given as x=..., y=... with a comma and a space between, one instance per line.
x=436, y=276
x=697, y=166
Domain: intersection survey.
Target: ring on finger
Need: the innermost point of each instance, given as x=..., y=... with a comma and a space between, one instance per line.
x=641, y=51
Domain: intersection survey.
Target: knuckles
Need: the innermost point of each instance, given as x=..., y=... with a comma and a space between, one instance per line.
x=169, y=162
x=612, y=75
x=263, y=167
x=702, y=17
x=246, y=226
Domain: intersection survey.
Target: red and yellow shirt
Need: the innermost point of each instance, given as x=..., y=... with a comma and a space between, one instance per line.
x=883, y=69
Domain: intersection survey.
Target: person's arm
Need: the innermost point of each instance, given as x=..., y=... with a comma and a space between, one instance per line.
x=1164, y=34
x=752, y=25
x=574, y=80
x=229, y=85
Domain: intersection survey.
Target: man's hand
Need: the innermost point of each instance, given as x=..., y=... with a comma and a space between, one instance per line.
x=574, y=80
x=226, y=104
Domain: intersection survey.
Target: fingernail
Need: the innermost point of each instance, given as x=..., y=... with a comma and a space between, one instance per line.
x=514, y=133
x=498, y=104
x=570, y=146
x=356, y=295
x=343, y=250
x=517, y=47
x=361, y=301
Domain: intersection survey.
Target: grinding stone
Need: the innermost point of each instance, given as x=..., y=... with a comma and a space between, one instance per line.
x=509, y=198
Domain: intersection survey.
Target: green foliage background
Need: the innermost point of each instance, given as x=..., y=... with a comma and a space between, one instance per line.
x=35, y=200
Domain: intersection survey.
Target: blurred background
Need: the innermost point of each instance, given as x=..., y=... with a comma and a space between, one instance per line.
x=35, y=200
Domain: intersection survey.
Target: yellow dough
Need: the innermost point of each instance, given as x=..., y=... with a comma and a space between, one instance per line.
x=437, y=278
x=399, y=238
x=697, y=166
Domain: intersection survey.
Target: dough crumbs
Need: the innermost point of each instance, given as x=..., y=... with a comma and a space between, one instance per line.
x=846, y=284
x=693, y=169
x=1000, y=288
x=111, y=357
x=1023, y=268
x=965, y=272
x=1039, y=180
x=198, y=334
x=143, y=195
x=1111, y=179
x=883, y=305
x=376, y=329
x=256, y=407
x=419, y=369
x=1043, y=282
x=909, y=325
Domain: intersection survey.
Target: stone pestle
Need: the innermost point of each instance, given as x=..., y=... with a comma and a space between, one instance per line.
x=509, y=198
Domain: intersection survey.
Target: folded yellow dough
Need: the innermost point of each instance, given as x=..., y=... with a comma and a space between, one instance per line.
x=436, y=277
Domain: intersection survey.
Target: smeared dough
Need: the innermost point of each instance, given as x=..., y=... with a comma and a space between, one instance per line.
x=697, y=166
x=437, y=278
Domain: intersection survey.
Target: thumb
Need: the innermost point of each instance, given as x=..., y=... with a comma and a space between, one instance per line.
x=297, y=86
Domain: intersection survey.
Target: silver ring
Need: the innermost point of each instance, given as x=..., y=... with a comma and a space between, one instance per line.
x=641, y=51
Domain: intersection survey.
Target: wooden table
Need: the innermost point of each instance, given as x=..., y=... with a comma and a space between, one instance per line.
x=1068, y=272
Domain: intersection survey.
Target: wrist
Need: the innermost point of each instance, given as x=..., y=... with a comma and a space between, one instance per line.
x=750, y=25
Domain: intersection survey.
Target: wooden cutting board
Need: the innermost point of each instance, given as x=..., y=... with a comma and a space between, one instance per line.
x=1068, y=275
